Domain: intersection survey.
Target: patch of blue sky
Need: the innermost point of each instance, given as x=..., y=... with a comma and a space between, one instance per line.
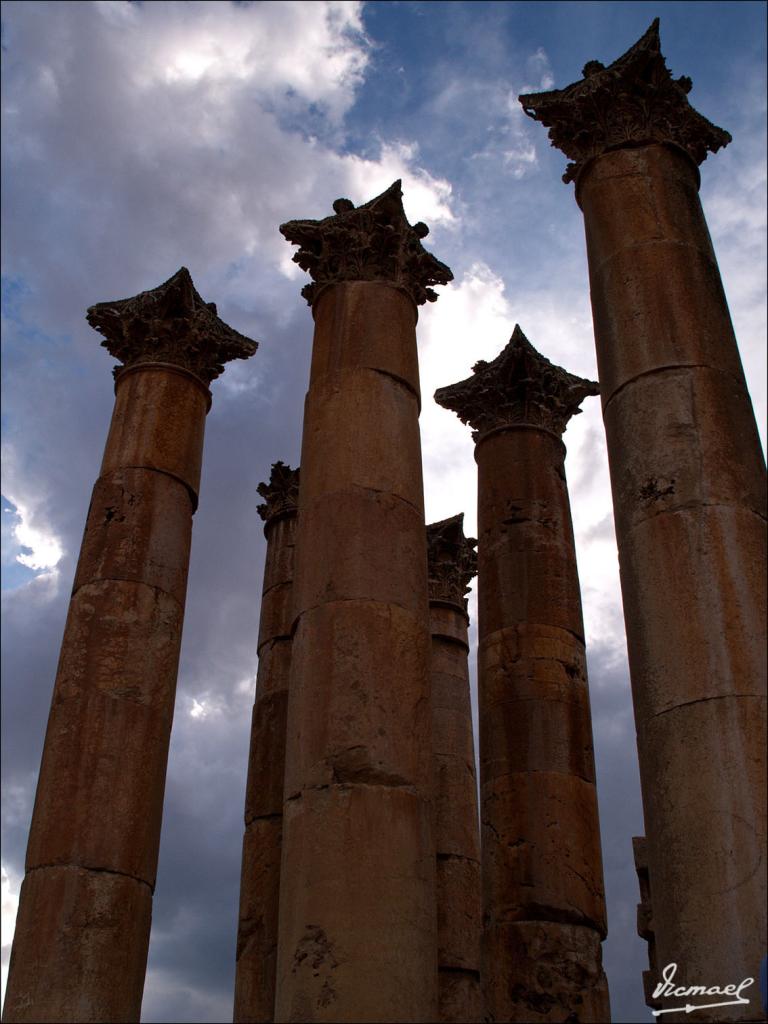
x=25, y=344
x=13, y=573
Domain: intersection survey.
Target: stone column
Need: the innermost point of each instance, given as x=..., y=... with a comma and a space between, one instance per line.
x=688, y=483
x=82, y=931
x=645, y=919
x=543, y=898
x=452, y=562
x=260, y=876
x=357, y=895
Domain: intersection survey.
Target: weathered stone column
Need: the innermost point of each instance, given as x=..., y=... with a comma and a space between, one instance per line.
x=357, y=889
x=452, y=562
x=688, y=485
x=80, y=948
x=543, y=898
x=645, y=919
x=260, y=875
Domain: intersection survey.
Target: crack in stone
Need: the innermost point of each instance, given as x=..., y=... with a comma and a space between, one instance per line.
x=399, y=380
x=704, y=700
x=125, y=579
x=93, y=870
x=695, y=506
x=666, y=369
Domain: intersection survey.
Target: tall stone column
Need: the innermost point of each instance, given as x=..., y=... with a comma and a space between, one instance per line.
x=260, y=875
x=688, y=483
x=543, y=898
x=452, y=562
x=357, y=889
x=82, y=931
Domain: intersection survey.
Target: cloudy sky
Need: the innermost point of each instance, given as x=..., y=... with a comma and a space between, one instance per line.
x=142, y=136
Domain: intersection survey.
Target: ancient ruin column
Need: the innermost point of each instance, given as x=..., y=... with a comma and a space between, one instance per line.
x=543, y=897
x=82, y=931
x=357, y=889
x=260, y=875
x=688, y=483
x=645, y=919
x=452, y=562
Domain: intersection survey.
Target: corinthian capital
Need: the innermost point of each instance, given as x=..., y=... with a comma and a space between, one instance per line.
x=519, y=386
x=373, y=242
x=169, y=324
x=451, y=561
x=281, y=494
x=632, y=102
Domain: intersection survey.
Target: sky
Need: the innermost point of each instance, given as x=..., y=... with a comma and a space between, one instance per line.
x=140, y=137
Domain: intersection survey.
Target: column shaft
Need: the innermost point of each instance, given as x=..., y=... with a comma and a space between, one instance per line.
x=688, y=484
x=457, y=836
x=357, y=899
x=82, y=931
x=689, y=496
x=544, y=908
x=260, y=876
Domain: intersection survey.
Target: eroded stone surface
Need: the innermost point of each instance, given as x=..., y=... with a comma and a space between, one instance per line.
x=460, y=997
x=645, y=926
x=351, y=949
x=380, y=460
x=452, y=563
x=87, y=962
x=520, y=386
x=526, y=552
x=266, y=762
x=264, y=796
x=632, y=102
x=671, y=452
x=352, y=567
x=158, y=424
x=373, y=242
x=708, y=848
x=541, y=859
x=139, y=528
x=357, y=901
x=541, y=850
x=345, y=729
x=280, y=493
x=257, y=927
x=687, y=476
x=712, y=645
x=549, y=972
x=535, y=703
x=83, y=923
x=365, y=325
x=170, y=324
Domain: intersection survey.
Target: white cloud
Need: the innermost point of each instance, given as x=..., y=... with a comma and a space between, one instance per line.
x=472, y=320
x=734, y=201
x=539, y=68
x=226, y=44
x=425, y=197
x=27, y=538
x=10, y=904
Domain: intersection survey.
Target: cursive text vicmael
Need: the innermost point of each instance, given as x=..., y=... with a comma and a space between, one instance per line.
x=667, y=987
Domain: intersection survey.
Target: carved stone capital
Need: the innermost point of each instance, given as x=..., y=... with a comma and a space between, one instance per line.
x=169, y=324
x=281, y=494
x=451, y=561
x=633, y=102
x=520, y=387
x=373, y=242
